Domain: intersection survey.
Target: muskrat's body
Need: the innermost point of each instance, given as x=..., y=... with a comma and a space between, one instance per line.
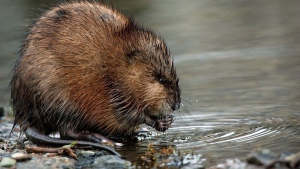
x=86, y=68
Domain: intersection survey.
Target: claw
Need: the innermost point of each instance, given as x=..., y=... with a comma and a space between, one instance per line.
x=160, y=124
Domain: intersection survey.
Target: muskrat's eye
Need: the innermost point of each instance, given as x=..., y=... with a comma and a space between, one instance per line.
x=161, y=80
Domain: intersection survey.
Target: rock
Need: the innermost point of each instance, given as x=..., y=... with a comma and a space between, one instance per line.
x=48, y=163
x=294, y=160
x=143, y=132
x=2, y=152
x=87, y=154
x=262, y=157
x=20, y=156
x=7, y=162
x=110, y=162
x=192, y=159
x=285, y=154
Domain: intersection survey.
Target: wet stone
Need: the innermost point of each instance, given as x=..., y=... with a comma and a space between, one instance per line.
x=87, y=154
x=20, y=156
x=111, y=161
x=7, y=162
x=192, y=159
x=3, y=152
x=294, y=160
x=284, y=155
x=261, y=157
x=45, y=163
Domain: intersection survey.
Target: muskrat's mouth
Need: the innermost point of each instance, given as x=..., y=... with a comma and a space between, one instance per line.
x=160, y=123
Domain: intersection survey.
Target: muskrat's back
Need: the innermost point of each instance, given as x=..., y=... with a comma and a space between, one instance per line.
x=87, y=68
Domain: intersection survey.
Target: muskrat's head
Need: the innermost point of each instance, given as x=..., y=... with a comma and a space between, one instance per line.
x=148, y=86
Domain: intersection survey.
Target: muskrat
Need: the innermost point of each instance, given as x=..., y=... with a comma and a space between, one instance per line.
x=87, y=71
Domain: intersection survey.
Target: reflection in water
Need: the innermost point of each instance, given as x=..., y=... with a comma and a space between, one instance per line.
x=239, y=59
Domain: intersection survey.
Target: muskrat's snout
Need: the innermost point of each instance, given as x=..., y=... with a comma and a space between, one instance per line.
x=176, y=105
x=175, y=102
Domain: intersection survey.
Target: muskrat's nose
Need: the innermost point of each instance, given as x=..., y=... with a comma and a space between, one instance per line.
x=176, y=98
x=175, y=106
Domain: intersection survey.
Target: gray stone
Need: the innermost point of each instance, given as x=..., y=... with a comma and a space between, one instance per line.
x=48, y=163
x=87, y=154
x=7, y=162
x=2, y=152
x=19, y=156
x=111, y=162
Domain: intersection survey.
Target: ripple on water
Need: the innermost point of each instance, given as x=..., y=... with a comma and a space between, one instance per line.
x=233, y=134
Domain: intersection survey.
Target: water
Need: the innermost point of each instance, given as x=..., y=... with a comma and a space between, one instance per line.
x=238, y=63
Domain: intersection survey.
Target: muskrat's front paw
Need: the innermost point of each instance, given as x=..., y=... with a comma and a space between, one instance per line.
x=164, y=123
x=161, y=123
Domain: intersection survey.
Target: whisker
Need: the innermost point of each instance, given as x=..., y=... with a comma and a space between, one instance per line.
x=187, y=100
x=185, y=109
x=191, y=101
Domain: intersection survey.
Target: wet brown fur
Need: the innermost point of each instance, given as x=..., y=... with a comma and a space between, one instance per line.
x=87, y=67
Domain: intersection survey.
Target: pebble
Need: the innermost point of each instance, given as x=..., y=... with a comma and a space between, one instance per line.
x=48, y=163
x=192, y=159
x=7, y=162
x=294, y=160
x=261, y=157
x=110, y=162
x=87, y=154
x=20, y=156
x=2, y=152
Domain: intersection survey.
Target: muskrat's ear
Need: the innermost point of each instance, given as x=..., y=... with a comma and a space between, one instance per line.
x=132, y=55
